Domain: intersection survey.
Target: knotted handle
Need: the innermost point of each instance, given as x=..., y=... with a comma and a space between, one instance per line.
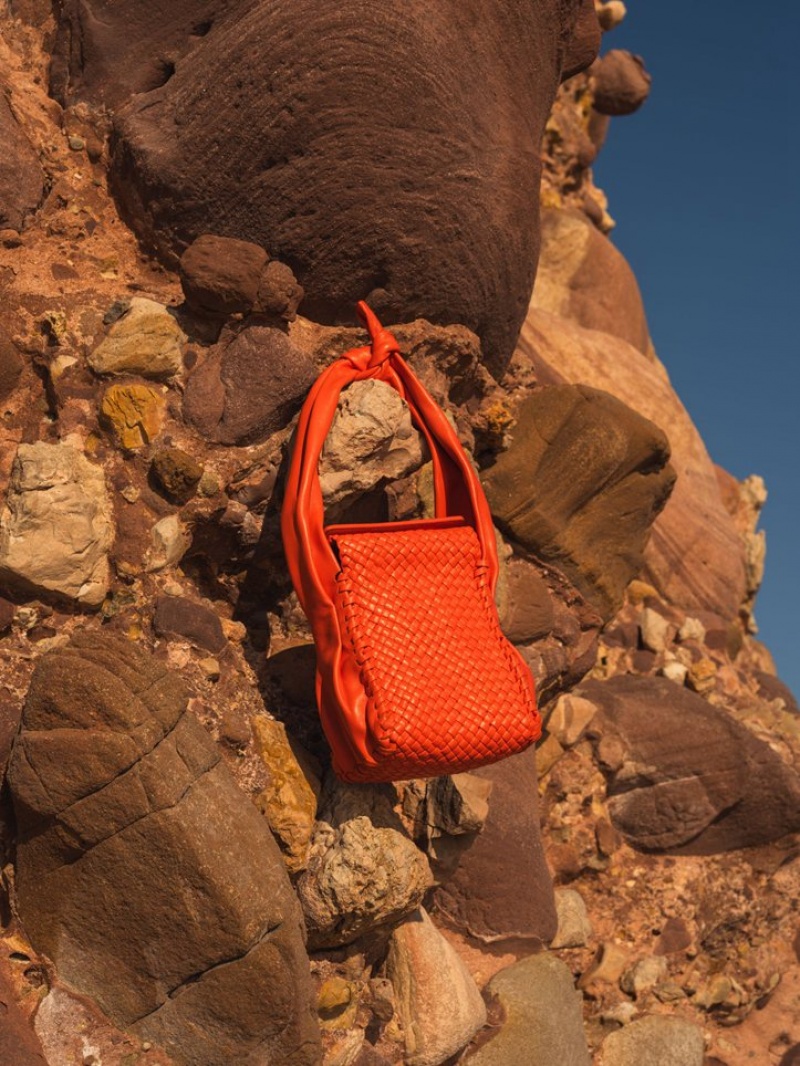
x=457, y=490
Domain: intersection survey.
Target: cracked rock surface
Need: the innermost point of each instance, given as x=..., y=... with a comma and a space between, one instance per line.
x=143, y=871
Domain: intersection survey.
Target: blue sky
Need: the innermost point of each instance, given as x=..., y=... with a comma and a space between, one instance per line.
x=704, y=183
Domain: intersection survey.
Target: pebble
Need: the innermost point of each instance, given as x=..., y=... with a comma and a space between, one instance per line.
x=644, y=975
x=77, y=144
x=574, y=928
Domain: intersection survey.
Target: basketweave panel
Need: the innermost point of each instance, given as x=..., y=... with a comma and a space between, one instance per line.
x=444, y=685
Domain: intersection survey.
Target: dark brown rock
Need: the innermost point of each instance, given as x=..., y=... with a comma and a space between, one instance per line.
x=584, y=41
x=692, y=779
x=448, y=227
x=7, y=611
x=181, y=617
x=177, y=473
x=279, y=292
x=248, y=387
x=144, y=873
x=222, y=275
x=674, y=937
x=772, y=688
x=529, y=614
x=583, y=277
x=11, y=363
x=501, y=888
x=21, y=175
x=621, y=83
x=581, y=485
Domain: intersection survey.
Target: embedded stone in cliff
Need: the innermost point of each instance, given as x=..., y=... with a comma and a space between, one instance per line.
x=142, y=870
x=21, y=175
x=583, y=277
x=438, y=1002
x=371, y=441
x=500, y=887
x=692, y=779
x=543, y=1017
x=56, y=530
x=279, y=292
x=133, y=413
x=182, y=617
x=145, y=340
x=222, y=275
x=580, y=486
x=248, y=387
x=450, y=227
x=621, y=83
x=11, y=365
x=526, y=610
x=364, y=870
x=694, y=556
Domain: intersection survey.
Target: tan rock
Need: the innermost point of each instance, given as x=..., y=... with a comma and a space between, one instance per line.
x=574, y=928
x=569, y=718
x=701, y=676
x=437, y=1000
x=134, y=413
x=606, y=968
x=694, y=556
x=56, y=529
x=644, y=975
x=169, y=542
x=656, y=631
x=146, y=340
x=289, y=801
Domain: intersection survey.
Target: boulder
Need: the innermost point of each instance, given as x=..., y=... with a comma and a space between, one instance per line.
x=222, y=275
x=694, y=556
x=584, y=278
x=145, y=340
x=56, y=529
x=248, y=387
x=501, y=888
x=655, y=1040
x=21, y=174
x=438, y=1003
x=620, y=83
x=543, y=1017
x=364, y=871
x=142, y=870
x=580, y=486
x=690, y=779
x=448, y=226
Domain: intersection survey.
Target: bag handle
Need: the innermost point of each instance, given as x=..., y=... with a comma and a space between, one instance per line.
x=457, y=490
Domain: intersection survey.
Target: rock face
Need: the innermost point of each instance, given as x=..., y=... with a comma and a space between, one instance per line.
x=123, y=808
x=543, y=1021
x=438, y=1002
x=694, y=556
x=364, y=870
x=248, y=387
x=146, y=340
x=18, y=1044
x=580, y=486
x=691, y=779
x=584, y=278
x=286, y=182
x=21, y=176
x=56, y=529
x=501, y=888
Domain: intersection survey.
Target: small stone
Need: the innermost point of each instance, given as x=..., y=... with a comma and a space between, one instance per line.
x=644, y=975
x=177, y=473
x=701, y=676
x=620, y=1014
x=208, y=485
x=607, y=838
x=574, y=927
x=548, y=752
x=655, y=1041
x=716, y=992
x=144, y=340
x=674, y=937
x=655, y=630
x=605, y=969
x=674, y=670
x=621, y=83
x=77, y=144
x=169, y=543
x=235, y=631
x=692, y=629
x=569, y=718
x=179, y=616
x=543, y=1018
x=279, y=292
x=210, y=668
x=382, y=1000
x=130, y=493
x=335, y=996
x=221, y=274
x=458, y=803
x=437, y=1000
x=289, y=801
x=134, y=413
x=234, y=728
x=669, y=992
x=610, y=14
x=610, y=752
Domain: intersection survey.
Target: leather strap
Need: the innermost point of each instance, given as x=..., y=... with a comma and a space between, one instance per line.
x=457, y=490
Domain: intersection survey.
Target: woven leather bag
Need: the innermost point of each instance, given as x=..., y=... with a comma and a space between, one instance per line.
x=414, y=676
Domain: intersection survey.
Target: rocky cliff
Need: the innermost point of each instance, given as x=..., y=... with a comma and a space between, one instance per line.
x=190, y=201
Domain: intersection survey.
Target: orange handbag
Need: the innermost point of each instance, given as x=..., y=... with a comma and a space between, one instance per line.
x=414, y=676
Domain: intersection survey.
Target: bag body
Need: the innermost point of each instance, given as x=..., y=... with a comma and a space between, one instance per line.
x=414, y=676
